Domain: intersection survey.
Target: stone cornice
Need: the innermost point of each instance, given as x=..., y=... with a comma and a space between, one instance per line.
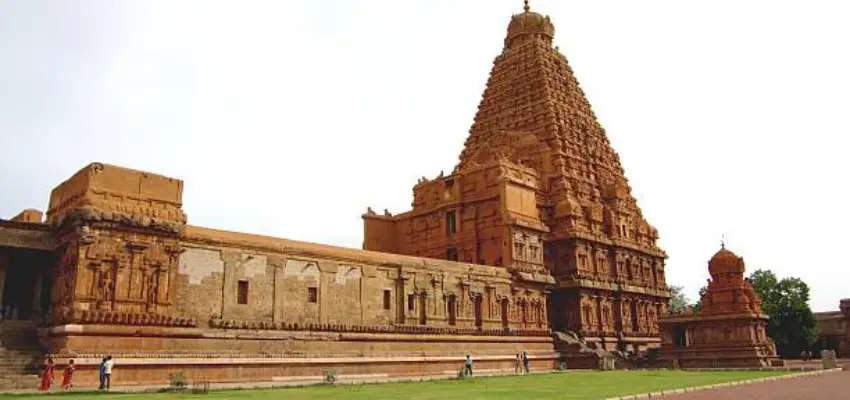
x=90, y=215
x=695, y=318
x=126, y=318
x=611, y=286
x=211, y=237
x=26, y=235
x=393, y=329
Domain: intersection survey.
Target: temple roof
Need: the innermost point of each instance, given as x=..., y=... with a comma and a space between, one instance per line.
x=528, y=26
x=534, y=113
x=533, y=94
x=725, y=262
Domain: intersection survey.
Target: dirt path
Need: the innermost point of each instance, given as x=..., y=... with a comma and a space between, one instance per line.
x=825, y=386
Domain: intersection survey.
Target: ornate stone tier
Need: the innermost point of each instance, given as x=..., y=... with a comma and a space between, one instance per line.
x=124, y=318
x=594, y=335
x=396, y=329
x=128, y=192
x=592, y=281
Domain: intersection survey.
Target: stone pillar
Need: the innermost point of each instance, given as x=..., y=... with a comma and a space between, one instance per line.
x=277, y=290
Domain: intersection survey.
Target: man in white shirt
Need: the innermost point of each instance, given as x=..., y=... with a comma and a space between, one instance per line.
x=107, y=370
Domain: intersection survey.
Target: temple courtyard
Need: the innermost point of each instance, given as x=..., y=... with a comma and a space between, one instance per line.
x=561, y=385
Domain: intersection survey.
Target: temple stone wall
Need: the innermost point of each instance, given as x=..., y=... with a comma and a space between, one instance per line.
x=228, y=282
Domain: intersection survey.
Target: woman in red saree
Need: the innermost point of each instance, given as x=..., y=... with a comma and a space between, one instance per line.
x=69, y=374
x=47, y=377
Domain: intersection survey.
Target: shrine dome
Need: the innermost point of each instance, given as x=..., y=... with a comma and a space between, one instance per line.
x=529, y=26
x=725, y=262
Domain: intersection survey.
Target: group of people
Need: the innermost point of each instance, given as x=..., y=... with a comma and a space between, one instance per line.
x=521, y=366
x=521, y=362
x=50, y=373
x=47, y=377
x=806, y=355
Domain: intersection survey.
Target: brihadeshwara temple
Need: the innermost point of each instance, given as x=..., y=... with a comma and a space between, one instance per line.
x=534, y=231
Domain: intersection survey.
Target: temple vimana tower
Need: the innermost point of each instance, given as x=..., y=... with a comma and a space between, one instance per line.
x=535, y=230
x=539, y=191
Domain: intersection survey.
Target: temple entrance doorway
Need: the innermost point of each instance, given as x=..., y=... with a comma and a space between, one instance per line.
x=25, y=280
x=681, y=339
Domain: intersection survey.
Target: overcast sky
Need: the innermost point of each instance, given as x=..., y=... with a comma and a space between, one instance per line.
x=289, y=118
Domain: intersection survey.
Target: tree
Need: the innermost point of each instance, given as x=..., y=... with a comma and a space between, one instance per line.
x=698, y=305
x=786, y=303
x=678, y=301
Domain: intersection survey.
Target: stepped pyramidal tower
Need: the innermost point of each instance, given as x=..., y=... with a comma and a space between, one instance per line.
x=539, y=191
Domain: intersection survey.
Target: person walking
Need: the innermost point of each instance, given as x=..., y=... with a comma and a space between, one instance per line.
x=68, y=375
x=49, y=373
x=107, y=371
x=518, y=365
x=525, y=361
x=468, y=367
x=102, y=375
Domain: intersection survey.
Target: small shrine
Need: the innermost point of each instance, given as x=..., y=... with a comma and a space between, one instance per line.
x=729, y=328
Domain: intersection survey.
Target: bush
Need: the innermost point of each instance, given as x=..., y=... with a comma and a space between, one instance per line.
x=177, y=381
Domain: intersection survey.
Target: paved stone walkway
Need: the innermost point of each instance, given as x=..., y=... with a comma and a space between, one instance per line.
x=834, y=385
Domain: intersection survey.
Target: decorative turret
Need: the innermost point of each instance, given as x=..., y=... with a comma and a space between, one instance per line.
x=725, y=263
x=728, y=291
x=529, y=26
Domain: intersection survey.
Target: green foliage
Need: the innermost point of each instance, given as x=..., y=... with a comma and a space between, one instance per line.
x=698, y=305
x=177, y=381
x=786, y=302
x=678, y=301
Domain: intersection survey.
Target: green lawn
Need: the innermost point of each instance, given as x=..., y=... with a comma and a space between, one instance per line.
x=565, y=385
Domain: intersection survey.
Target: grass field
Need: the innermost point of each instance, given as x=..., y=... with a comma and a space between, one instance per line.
x=566, y=385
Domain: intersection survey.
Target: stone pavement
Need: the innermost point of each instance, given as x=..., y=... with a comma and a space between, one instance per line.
x=834, y=385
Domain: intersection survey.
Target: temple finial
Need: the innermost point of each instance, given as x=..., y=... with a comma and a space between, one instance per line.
x=723, y=241
x=527, y=8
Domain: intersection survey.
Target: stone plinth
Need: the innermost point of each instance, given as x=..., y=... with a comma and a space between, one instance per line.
x=147, y=355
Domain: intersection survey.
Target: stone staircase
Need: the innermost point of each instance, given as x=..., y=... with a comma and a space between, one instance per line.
x=20, y=356
x=580, y=354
